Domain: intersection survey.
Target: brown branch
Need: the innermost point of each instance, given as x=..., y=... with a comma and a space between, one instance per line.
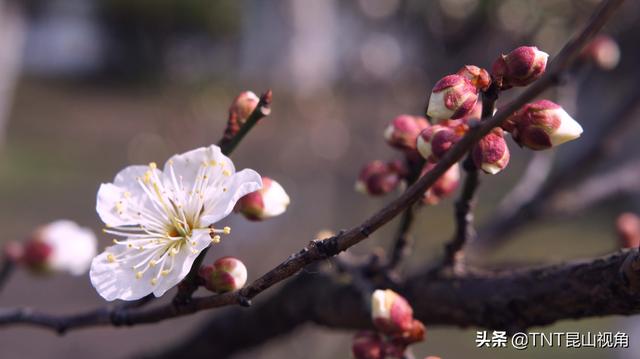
x=504, y=300
x=322, y=249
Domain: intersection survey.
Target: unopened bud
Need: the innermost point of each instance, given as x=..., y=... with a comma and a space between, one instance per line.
x=452, y=97
x=520, y=67
x=269, y=201
x=367, y=345
x=61, y=246
x=240, y=110
x=491, y=153
x=391, y=313
x=445, y=186
x=474, y=114
x=604, y=51
x=378, y=178
x=434, y=142
x=543, y=124
x=403, y=131
x=628, y=228
x=478, y=76
x=224, y=275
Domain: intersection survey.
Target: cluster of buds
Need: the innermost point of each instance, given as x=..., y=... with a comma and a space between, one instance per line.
x=541, y=125
x=269, y=201
x=226, y=274
x=379, y=178
x=628, y=229
x=60, y=246
x=520, y=67
x=396, y=328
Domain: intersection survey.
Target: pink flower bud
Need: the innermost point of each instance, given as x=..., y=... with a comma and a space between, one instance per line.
x=240, y=110
x=520, y=67
x=378, y=178
x=225, y=275
x=604, y=51
x=628, y=228
x=478, y=76
x=403, y=131
x=61, y=246
x=268, y=202
x=452, y=97
x=434, y=142
x=475, y=114
x=391, y=313
x=543, y=124
x=491, y=154
x=367, y=345
x=445, y=186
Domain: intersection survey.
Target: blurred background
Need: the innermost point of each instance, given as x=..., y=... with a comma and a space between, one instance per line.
x=90, y=86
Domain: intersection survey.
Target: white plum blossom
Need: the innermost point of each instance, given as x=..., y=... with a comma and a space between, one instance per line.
x=60, y=246
x=166, y=219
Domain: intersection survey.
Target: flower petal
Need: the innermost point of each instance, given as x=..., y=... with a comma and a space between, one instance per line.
x=111, y=200
x=183, y=262
x=118, y=280
x=186, y=165
x=73, y=246
x=238, y=185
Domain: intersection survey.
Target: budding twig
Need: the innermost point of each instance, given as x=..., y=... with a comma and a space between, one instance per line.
x=582, y=165
x=465, y=231
x=227, y=144
x=320, y=250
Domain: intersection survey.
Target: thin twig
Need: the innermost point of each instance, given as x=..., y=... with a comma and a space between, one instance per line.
x=585, y=162
x=227, y=144
x=319, y=250
x=401, y=246
x=465, y=231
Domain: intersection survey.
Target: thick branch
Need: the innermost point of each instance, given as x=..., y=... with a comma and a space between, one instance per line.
x=322, y=249
x=505, y=300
